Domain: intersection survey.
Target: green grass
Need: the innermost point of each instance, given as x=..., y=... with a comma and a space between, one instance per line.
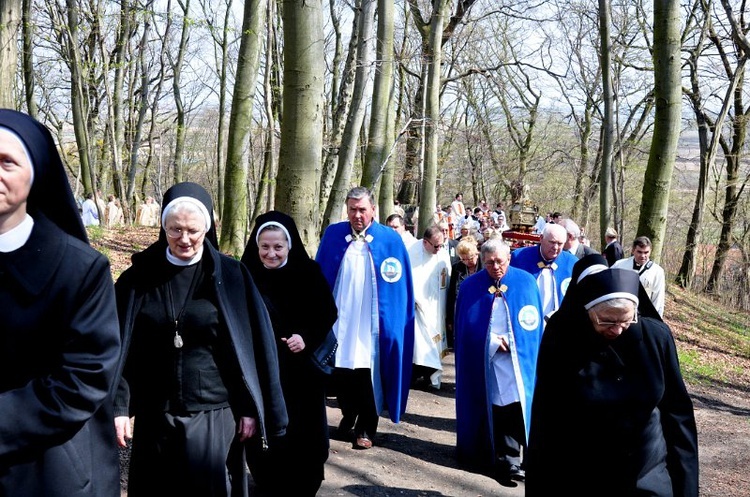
x=95, y=233
x=713, y=340
x=695, y=369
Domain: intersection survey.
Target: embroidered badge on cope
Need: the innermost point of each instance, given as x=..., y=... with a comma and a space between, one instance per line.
x=528, y=317
x=391, y=270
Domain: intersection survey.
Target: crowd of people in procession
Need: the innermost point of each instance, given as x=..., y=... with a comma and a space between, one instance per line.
x=563, y=361
x=95, y=212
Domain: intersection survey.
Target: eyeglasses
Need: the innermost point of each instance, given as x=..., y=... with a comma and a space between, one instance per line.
x=436, y=247
x=178, y=233
x=471, y=258
x=620, y=324
x=495, y=262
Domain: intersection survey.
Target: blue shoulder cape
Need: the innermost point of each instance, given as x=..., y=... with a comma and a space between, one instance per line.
x=395, y=293
x=520, y=293
x=528, y=259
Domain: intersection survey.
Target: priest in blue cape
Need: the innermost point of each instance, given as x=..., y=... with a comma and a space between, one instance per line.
x=549, y=264
x=367, y=266
x=498, y=330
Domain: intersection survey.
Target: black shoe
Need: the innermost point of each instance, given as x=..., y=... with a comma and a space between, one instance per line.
x=507, y=475
x=505, y=481
x=517, y=474
x=345, y=431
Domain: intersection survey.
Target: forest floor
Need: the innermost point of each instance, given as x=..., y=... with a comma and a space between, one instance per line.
x=415, y=458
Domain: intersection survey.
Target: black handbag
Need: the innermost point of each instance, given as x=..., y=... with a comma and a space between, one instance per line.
x=324, y=357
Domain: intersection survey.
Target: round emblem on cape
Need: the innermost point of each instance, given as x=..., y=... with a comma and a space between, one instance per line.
x=564, y=285
x=528, y=317
x=391, y=270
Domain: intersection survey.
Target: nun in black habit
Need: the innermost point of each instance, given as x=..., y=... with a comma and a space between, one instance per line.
x=199, y=363
x=302, y=310
x=611, y=414
x=59, y=334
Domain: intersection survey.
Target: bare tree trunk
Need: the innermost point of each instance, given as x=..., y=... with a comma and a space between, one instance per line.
x=302, y=118
x=116, y=137
x=608, y=123
x=344, y=99
x=350, y=138
x=141, y=106
x=729, y=212
x=414, y=160
x=235, y=222
x=78, y=103
x=267, y=184
x=338, y=50
x=520, y=130
x=28, y=59
x=179, y=147
x=735, y=184
x=220, y=35
x=707, y=154
x=10, y=22
x=733, y=153
x=377, y=145
x=153, y=128
x=668, y=96
x=427, y=197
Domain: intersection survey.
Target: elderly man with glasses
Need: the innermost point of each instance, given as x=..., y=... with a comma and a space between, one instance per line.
x=431, y=270
x=498, y=330
x=549, y=264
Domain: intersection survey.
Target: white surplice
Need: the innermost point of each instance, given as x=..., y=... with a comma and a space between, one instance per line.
x=431, y=275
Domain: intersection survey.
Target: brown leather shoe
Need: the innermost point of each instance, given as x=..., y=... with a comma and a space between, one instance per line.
x=363, y=442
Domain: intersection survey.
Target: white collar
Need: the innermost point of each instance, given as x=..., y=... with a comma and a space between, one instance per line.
x=179, y=262
x=16, y=237
x=280, y=265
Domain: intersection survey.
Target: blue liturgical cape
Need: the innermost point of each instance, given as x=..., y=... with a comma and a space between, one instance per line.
x=520, y=295
x=391, y=363
x=528, y=259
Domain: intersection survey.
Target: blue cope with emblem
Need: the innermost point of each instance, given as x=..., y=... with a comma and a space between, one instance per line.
x=528, y=259
x=518, y=290
x=395, y=294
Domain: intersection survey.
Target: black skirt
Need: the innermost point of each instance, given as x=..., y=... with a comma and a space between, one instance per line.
x=193, y=454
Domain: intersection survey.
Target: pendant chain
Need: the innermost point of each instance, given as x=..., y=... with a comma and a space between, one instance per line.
x=178, y=341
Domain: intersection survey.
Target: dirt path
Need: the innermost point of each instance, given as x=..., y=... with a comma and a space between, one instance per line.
x=415, y=458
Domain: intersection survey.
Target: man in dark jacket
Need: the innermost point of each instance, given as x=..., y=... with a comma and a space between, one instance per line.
x=573, y=243
x=613, y=250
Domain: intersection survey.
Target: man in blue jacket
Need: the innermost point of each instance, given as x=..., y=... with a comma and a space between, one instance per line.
x=367, y=266
x=498, y=333
x=549, y=264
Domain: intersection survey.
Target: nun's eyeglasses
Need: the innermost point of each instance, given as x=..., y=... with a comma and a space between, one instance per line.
x=178, y=233
x=620, y=324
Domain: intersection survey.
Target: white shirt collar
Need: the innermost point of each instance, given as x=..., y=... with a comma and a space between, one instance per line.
x=574, y=247
x=17, y=237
